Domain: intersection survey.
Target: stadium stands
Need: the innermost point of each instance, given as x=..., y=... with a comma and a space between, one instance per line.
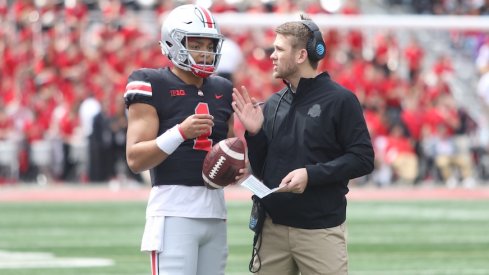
x=55, y=56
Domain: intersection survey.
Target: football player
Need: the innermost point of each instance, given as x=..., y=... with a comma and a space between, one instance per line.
x=176, y=114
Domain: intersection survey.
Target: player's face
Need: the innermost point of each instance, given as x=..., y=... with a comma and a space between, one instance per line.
x=201, y=49
x=283, y=57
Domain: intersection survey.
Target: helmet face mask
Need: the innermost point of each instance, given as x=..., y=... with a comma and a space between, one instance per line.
x=194, y=22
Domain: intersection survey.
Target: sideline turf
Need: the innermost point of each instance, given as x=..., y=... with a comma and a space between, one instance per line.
x=412, y=238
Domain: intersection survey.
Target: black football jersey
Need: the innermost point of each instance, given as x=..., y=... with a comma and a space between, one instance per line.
x=174, y=101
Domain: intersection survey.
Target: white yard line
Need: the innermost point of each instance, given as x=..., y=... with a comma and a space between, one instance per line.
x=22, y=260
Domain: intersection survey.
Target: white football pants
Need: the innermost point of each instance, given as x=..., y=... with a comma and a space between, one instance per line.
x=191, y=246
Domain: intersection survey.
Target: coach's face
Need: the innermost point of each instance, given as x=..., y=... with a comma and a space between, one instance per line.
x=284, y=57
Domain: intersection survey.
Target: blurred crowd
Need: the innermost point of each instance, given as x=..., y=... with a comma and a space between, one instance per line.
x=64, y=67
x=445, y=7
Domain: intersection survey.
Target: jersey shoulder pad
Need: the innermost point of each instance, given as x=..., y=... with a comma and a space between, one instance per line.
x=139, y=88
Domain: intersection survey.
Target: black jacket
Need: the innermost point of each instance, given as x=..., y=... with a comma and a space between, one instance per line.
x=321, y=127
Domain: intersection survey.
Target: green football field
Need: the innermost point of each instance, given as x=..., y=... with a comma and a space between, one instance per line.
x=385, y=237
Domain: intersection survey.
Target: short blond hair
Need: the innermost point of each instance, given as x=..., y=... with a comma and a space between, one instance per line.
x=299, y=33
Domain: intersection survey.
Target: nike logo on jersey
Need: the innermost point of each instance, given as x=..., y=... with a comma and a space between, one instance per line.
x=178, y=93
x=218, y=96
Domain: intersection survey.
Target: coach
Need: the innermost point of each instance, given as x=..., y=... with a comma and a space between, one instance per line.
x=311, y=139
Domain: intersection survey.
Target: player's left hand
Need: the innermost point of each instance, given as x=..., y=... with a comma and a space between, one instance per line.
x=295, y=181
x=243, y=173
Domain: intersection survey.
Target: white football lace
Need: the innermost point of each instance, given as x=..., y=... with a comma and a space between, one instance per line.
x=216, y=167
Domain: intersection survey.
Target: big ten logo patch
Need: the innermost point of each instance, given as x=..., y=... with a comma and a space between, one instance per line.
x=177, y=93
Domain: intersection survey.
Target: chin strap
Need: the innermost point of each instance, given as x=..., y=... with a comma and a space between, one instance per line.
x=202, y=71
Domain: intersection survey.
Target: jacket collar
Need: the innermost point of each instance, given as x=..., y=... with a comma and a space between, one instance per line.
x=306, y=85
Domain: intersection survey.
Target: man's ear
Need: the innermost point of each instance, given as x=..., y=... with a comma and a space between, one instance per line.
x=301, y=56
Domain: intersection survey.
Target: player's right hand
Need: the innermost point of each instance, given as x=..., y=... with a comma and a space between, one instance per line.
x=196, y=125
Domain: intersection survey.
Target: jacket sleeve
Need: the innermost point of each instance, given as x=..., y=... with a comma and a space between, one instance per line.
x=354, y=138
x=257, y=151
x=258, y=144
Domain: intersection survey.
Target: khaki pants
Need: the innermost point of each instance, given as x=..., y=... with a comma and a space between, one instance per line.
x=287, y=250
x=448, y=164
x=406, y=167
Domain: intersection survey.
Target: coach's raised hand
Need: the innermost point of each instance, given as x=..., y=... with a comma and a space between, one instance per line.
x=248, y=110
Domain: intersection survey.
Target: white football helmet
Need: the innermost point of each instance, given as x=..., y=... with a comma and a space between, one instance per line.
x=191, y=21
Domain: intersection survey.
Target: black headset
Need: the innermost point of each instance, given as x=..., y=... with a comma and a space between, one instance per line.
x=316, y=49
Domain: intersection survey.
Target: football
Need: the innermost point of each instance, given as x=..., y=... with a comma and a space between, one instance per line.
x=222, y=163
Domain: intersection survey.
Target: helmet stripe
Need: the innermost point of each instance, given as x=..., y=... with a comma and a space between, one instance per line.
x=207, y=17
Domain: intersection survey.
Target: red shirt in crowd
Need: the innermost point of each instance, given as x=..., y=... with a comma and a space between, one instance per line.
x=375, y=123
x=413, y=119
x=414, y=54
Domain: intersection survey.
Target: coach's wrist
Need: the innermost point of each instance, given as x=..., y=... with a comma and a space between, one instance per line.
x=253, y=132
x=169, y=141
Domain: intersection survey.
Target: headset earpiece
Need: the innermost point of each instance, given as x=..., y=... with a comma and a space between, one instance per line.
x=316, y=49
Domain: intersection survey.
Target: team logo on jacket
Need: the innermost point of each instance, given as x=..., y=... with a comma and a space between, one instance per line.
x=314, y=111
